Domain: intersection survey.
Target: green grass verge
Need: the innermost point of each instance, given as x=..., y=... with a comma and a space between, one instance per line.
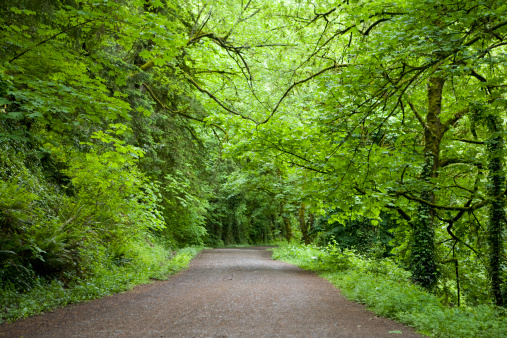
x=386, y=290
x=107, y=279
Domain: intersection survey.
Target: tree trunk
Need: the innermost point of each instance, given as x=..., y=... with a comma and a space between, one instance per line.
x=272, y=228
x=422, y=261
x=302, y=224
x=288, y=230
x=226, y=226
x=236, y=231
x=311, y=221
x=496, y=180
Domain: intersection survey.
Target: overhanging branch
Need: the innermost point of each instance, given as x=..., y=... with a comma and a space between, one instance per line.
x=334, y=66
x=444, y=207
x=214, y=98
x=152, y=94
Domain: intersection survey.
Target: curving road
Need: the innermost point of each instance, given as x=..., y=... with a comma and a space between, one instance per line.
x=225, y=293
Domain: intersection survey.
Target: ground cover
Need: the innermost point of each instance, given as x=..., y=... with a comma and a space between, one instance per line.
x=108, y=278
x=388, y=291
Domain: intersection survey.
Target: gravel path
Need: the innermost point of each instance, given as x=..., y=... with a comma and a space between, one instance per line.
x=225, y=293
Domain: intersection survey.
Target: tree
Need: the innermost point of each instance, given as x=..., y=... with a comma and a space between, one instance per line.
x=385, y=90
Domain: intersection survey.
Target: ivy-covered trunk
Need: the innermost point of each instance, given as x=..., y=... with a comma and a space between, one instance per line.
x=422, y=261
x=496, y=188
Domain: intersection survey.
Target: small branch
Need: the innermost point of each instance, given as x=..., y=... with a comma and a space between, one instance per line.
x=49, y=39
x=474, y=40
x=468, y=141
x=400, y=211
x=323, y=15
x=267, y=45
x=192, y=32
x=478, y=76
x=335, y=66
x=152, y=94
x=403, y=174
x=147, y=65
x=451, y=222
x=214, y=98
x=205, y=22
x=455, y=118
x=375, y=24
x=307, y=167
x=446, y=162
x=443, y=207
x=416, y=113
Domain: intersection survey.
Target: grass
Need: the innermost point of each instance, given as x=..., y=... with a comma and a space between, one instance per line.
x=107, y=279
x=386, y=290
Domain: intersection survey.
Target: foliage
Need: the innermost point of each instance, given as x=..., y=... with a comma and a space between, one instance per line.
x=94, y=166
x=380, y=123
x=370, y=107
x=362, y=235
x=152, y=262
x=388, y=291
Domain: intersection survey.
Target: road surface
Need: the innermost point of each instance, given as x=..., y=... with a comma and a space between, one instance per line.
x=236, y=292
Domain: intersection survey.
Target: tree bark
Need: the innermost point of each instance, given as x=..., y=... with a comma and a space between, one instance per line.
x=288, y=230
x=302, y=224
x=496, y=180
x=311, y=221
x=422, y=261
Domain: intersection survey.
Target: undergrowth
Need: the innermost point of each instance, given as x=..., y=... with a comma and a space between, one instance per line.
x=387, y=290
x=138, y=266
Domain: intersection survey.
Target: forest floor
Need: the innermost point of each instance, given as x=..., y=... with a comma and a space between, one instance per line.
x=225, y=293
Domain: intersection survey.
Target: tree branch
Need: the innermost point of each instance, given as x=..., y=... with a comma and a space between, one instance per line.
x=375, y=24
x=214, y=98
x=492, y=29
x=416, y=113
x=323, y=15
x=468, y=141
x=335, y=66
x=49, y=39
x=443, y=207
x=455, y=118
x=152, y=94
x=449, y=161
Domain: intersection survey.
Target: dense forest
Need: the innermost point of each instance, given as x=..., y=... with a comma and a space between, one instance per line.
x=130, y=129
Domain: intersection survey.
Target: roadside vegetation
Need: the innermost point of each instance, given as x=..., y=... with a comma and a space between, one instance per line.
x=108, y=277
x=390, y=292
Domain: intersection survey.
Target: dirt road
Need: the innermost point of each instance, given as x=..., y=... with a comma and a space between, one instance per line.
x=225, y=293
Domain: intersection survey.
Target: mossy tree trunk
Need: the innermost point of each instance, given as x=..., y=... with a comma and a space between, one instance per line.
x=496, y=188
x=422, y=261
